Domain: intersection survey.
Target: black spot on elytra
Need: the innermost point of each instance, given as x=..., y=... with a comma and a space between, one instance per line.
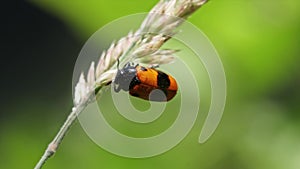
x=135, y=81
x=163, y=80
x=135, y=94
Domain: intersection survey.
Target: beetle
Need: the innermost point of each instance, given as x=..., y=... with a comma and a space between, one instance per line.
x=145, y=83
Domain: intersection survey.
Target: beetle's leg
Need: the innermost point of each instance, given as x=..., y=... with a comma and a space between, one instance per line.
x=153, y=66
x=117, y=88
x=127, y=64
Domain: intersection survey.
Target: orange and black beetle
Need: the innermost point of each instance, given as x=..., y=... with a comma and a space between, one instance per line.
x=141, y=81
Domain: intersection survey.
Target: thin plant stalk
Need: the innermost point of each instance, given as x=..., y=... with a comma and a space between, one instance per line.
x=53, y=146
x=138, y=46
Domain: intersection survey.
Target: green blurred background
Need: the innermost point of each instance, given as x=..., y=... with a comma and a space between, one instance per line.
x=258, y=42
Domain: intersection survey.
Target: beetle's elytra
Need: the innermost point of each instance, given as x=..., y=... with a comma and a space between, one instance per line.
x=143, y=82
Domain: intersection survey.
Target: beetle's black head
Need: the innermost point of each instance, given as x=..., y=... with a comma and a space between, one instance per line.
x=125, y=77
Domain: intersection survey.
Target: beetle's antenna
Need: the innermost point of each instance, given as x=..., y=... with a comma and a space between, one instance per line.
x=118, y=63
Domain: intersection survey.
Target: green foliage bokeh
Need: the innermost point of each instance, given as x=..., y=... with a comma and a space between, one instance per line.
x=258, y=44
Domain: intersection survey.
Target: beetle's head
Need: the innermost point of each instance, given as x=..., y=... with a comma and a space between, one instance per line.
x=124, y=77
